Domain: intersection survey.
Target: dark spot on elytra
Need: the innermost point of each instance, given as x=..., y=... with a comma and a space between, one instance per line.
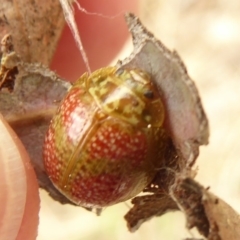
x=148, y=94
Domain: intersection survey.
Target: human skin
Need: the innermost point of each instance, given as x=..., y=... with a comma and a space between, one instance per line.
x=19, y=195
x=102, y=37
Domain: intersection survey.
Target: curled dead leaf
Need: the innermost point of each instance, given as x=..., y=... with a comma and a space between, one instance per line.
x=214, y=218
x=35, y=27
x=186, y=121
x=9, y=63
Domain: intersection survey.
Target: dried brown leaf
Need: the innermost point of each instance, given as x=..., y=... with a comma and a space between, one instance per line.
x=186, y=121
x=214, y=218
x=9, y=61
x=35, y=27
x=143, y=211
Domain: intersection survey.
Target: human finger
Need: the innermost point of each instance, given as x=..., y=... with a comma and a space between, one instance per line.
x=19, y=196
x=102, y=37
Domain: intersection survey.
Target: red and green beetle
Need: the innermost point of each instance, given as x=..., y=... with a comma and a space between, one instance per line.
x=104, y=144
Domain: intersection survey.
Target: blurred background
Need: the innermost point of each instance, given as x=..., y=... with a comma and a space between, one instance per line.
x=206, y=34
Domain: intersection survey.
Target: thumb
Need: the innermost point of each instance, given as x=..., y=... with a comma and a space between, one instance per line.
x=19, y=197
